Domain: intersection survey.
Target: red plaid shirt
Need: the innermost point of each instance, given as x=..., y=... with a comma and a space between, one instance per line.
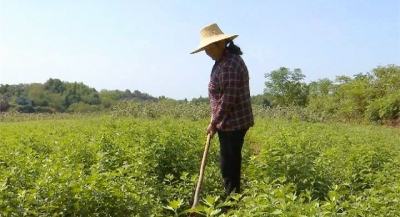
x=229, y=94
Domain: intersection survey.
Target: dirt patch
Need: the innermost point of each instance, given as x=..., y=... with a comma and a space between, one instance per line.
x=393, y=122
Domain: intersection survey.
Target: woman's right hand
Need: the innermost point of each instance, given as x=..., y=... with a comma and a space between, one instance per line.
x=211, y=129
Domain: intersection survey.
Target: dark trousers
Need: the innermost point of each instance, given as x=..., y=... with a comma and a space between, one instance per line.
x=231, y=143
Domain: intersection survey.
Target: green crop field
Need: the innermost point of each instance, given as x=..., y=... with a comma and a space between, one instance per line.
x=121, y=165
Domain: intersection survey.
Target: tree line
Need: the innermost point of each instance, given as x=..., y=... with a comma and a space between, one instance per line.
x=374, y=95
x=60, y=96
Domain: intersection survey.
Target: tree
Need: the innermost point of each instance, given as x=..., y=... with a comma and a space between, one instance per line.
x=4, y=89
x=322, y=87
x=286, y=87
x=321, y=96
x=351, y=95
x=200, y=100
x=38, y=95
x=4, y=105
x=384, y=94
x=54, y=86
x=109, y=98
x=260, y=99
x=79, y=92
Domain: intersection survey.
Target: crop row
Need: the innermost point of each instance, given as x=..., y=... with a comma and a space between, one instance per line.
x=134, y=166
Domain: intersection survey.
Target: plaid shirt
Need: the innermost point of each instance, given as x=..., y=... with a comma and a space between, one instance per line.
x=229, y=94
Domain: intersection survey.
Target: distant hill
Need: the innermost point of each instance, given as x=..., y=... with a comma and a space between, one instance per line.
x=61, y=96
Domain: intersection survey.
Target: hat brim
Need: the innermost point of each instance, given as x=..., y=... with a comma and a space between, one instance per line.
x=204, y=43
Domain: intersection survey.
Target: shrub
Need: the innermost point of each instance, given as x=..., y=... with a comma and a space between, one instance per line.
x=25, y=109
x=45, y=109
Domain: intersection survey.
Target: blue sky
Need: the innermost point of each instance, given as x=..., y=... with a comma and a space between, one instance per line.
x=145, y=45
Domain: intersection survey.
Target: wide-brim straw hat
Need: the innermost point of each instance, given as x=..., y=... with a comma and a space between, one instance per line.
x=210, y=34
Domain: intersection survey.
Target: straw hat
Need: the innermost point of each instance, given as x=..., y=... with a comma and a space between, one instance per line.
x=211, y=34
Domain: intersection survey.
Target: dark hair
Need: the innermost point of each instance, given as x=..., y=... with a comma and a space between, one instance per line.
x=232, y=48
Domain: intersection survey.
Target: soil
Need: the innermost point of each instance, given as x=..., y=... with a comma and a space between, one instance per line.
x=393, y=122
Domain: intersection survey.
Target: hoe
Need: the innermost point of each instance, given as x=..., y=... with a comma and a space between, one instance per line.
x=203, y=165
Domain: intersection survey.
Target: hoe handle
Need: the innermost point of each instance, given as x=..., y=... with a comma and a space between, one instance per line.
x=203, y=165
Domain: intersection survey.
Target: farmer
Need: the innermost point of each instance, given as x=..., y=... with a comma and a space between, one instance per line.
x=229, y=95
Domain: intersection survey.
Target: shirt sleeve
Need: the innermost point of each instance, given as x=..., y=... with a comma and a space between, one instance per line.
x=229, y=83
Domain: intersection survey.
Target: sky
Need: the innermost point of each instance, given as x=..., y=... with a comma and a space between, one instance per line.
x=145, y=45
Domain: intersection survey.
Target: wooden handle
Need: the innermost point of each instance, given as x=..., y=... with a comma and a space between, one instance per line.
x=203, y=165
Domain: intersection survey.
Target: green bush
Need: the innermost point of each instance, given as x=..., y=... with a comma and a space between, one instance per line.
x=45, y=110
x=83, y=107
x=25, y=109
x=386, y=108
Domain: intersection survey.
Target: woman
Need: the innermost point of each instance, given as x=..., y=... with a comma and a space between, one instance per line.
x=230, y=103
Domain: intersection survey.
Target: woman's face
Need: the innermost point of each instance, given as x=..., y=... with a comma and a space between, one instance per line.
x=215, y=50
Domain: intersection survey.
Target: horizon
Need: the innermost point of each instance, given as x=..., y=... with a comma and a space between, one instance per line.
x=145, y=46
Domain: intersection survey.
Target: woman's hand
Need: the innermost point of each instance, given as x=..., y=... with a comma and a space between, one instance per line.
x=211, y=129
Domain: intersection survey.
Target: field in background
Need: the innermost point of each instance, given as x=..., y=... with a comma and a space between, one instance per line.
x=144, y=161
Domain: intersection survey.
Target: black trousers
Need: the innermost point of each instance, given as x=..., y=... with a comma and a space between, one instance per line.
x=231, y=143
